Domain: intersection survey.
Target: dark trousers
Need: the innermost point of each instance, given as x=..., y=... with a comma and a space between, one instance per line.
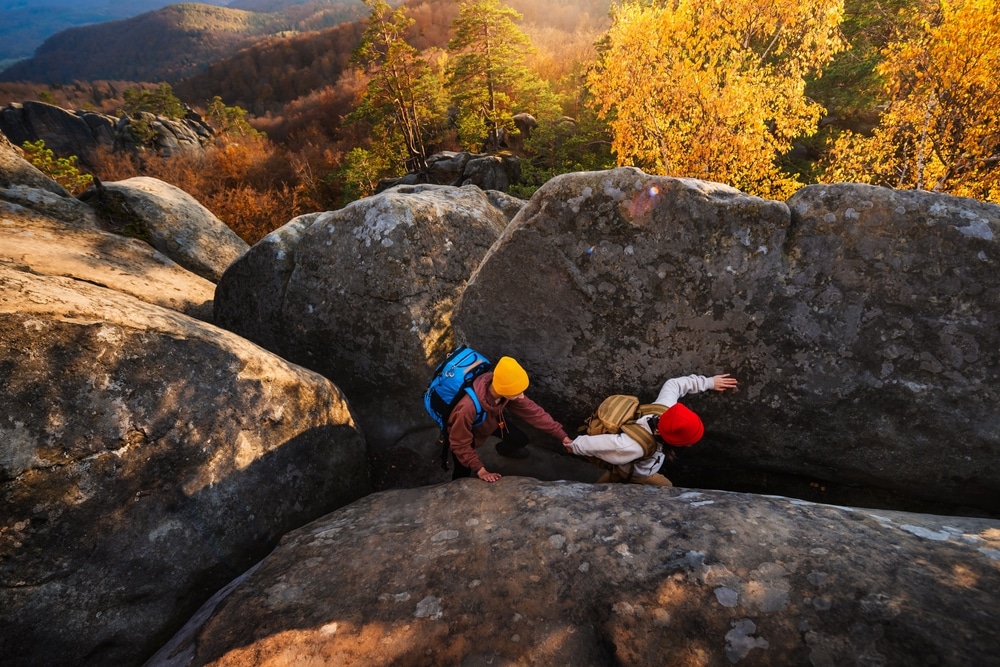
x=511, y=437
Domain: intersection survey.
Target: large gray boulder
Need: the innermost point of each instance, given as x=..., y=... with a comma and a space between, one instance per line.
x=863, y=323
x=885, y=346
x=492, y=172
x=368, y=303
x=170, y=220
x=617, y=280
x=146, y=459
x=251, y=292
x=526, y=572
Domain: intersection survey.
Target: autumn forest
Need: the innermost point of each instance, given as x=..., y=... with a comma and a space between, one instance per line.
x=763, y=95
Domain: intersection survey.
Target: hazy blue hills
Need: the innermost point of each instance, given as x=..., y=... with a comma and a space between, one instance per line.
x=168, y=43
x=25, y=24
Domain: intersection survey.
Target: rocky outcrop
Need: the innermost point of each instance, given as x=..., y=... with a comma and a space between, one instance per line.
x=147, y=459
x=166, y=136
x=485, y=171
x=369, y=300
x=886, y=345
x=617, y=280
x=170, y=220
x=82, y=133
x=525, y=572
x=65, y=132
x=863, y=323
x=525, y=123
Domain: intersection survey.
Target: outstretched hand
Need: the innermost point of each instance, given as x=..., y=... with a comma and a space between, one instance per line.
x=723, y=382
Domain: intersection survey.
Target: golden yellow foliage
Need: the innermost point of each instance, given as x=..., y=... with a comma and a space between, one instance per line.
x=714, y=89
x=941, y=130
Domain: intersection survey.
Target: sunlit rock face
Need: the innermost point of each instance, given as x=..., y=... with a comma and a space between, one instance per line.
x=528, y=572
x=364, y=296
x=170, y=220
x=48, y=246
x=146, y=459
x=44, y=230
x=862, y=323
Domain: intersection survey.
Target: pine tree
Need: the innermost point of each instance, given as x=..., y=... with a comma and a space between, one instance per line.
x=487, y=71
x=404, y=97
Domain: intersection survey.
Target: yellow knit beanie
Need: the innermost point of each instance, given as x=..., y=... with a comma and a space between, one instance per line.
x=509, y=379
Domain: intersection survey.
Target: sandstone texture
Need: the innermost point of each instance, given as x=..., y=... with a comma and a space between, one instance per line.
x=52, y=248
x=862, y=323
x=20, y=200
x=171, y=221
x=147, y=458
x=252, y=290
x=48, y=232
x=885, y=345
x=527, y=572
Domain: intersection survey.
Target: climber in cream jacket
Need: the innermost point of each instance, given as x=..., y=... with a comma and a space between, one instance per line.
x=677, y=427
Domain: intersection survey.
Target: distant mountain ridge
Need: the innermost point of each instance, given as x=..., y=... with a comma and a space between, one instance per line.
x=169, y=43
x=25, y=24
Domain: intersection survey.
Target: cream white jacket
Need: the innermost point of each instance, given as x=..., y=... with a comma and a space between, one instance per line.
x=621, y=450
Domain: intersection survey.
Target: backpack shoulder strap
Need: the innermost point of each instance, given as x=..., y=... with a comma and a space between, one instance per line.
x=480, y=412
x=652, y=409
x=643, y=437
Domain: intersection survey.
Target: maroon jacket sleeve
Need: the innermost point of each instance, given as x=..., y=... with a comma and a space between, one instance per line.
x=460, y=436
x=530, y=412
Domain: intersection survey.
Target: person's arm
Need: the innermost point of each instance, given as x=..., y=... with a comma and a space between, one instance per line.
x=674, y=388
x=530, y=412
x=460, y=436
x=615, y=448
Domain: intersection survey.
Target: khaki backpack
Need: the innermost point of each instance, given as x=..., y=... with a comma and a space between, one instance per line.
x=617, y=414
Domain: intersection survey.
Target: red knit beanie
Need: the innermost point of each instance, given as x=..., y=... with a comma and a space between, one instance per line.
x=680, y=427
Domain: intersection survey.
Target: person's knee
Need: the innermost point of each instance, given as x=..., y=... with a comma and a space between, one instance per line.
x=656, y=479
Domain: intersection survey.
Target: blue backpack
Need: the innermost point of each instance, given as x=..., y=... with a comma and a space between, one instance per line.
x=451, y=381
